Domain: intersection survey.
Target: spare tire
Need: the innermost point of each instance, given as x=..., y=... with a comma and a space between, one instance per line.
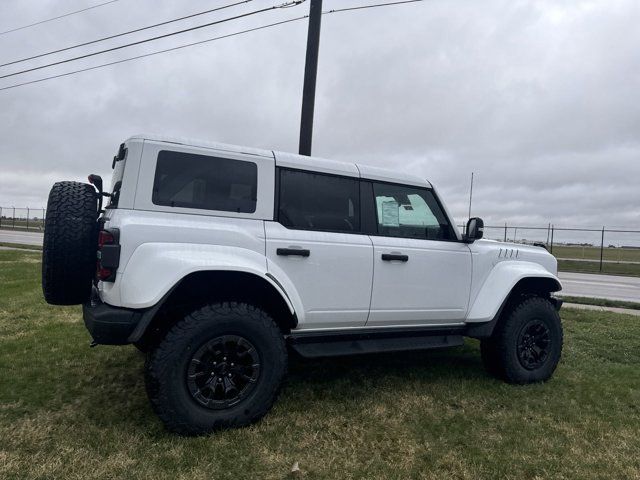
x=70, y=243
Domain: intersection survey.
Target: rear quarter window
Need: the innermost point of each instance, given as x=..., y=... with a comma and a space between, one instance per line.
x=205, y=182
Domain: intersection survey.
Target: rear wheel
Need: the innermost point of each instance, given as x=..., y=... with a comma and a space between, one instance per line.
x=220, y=367
x=527, y=343
x=70, y=243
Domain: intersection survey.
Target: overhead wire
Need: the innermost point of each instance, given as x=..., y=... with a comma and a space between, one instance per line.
x=158, y=37
x=158, y=52
x=58, y=17
x=111, y=37
x=363, y=7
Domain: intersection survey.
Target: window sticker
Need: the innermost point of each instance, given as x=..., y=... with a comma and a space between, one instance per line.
x=390, y=214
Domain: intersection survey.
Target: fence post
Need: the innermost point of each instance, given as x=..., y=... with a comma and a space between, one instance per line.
x=515, y=234
x=551, y=247
x=27, y=219
x=14, y=217
x=0, y=217
x=505, y=231
x=548, y=233
x=601, y=249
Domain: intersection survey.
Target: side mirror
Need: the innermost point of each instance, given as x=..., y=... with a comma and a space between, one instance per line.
x=475, y=230
x=96, y=181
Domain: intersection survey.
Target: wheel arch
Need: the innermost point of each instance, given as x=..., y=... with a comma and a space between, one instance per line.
x=503, y=278
x=210, y=286
x=528, y=285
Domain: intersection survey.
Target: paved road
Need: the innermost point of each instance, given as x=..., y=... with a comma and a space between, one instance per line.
x=26, y=238
x=601, y=286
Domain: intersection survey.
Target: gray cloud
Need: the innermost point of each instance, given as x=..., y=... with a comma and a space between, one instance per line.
x=538, y=98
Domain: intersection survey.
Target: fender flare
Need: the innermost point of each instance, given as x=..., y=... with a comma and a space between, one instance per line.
x=499, y=285
x=155, y=269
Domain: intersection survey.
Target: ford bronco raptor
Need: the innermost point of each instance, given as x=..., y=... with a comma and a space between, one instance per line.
x=218, y=260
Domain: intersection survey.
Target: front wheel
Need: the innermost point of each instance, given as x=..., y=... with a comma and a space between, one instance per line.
x=220, y=367
x=527, y=343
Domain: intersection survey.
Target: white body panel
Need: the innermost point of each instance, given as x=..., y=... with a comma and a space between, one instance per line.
x=334, y=281
x=158, y=249
x=342, y=284
x=431, y=287
x=497, y=267
x=502, y=278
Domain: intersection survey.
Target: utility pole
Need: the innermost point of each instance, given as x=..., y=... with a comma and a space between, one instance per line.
x=310, y=73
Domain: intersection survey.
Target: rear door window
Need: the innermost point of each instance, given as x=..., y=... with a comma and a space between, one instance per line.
x=317, y=201
x=205, y=182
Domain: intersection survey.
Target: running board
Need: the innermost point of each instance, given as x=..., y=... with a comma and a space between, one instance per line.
x=331, y=344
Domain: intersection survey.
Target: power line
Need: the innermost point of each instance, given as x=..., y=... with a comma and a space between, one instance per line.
x=95, y=67
x=110, y=37
x=158, y=37
x=58, y=17
x=157, y=52
x=362, y=7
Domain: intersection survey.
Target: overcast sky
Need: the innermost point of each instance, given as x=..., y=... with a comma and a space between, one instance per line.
x=540, y=99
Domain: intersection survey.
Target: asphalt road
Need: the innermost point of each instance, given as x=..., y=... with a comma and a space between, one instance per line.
x=25, y=238
x=574, y=284
x=612, y=287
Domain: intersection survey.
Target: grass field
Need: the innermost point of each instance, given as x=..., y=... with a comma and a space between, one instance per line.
x=572, y=259
x=593, y=253
x=67, y=411
x=631, y=269
x=601, y=302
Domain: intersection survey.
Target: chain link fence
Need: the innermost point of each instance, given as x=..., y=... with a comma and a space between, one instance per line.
x=22, y=218
x=589, y=250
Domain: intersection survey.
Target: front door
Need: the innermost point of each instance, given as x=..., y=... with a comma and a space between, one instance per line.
x=316, y=242
x=422, y=272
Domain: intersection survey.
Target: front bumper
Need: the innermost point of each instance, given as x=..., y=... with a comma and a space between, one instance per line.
x=109, y=325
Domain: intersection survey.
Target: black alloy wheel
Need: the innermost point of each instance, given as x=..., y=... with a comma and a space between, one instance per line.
x=223, y=371
x=534, y=344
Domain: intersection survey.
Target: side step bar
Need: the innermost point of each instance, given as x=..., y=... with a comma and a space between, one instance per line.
x=331, y=344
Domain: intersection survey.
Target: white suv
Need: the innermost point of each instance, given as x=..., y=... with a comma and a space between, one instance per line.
x=217, y=259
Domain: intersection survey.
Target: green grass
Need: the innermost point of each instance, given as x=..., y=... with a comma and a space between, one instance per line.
x=629, y=269
x=601, y=302
x=593, y=253
x=20, y=246
x=67, y=411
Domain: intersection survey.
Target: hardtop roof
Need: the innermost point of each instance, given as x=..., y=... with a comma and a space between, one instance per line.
x=292, y=160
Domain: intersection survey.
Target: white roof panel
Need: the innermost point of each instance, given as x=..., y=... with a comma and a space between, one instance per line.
x=292, y=160
x=191, y=142
x=388, y=175
x=303, y=162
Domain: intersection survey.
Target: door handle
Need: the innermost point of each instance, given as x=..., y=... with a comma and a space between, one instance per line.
x=389, y=257
x=289, y=252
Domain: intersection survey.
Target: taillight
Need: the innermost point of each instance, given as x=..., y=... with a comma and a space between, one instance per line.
x=108, y=255
x=105, y=238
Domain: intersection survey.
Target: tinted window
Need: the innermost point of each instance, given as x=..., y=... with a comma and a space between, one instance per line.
x=313, y=201
x=200, y=181
x=410, y=212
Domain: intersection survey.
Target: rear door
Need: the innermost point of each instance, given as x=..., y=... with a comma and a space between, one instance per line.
x=422, y=273
x=316, y=241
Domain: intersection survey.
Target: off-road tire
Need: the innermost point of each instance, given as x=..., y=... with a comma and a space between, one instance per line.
x=166, y=368
x=70, y=243
x=500, y=352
